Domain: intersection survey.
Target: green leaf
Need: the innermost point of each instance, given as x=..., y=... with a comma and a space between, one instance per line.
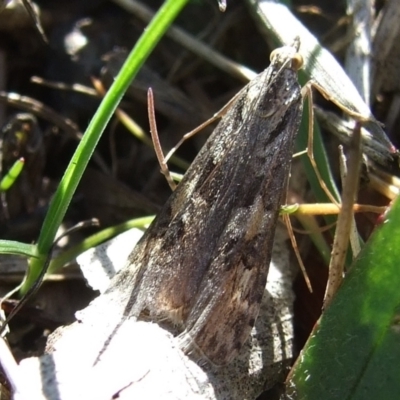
x=17, y=248
x=354, y=352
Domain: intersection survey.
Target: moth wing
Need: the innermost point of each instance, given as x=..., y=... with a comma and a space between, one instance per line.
x=231, y=291
x=203, y=263
x=158, y=271
x=229, y=301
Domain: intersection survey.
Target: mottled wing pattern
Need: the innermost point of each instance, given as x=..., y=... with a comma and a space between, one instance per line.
x=203, y=263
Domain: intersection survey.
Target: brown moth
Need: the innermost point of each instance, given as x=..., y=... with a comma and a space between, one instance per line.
x=203, y=263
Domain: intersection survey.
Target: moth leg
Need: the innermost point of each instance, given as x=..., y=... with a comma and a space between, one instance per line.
x=306, y=92
x=217, y=115
x=156, y=140
x=293, y=240
x=342, y=237
x=354, y=114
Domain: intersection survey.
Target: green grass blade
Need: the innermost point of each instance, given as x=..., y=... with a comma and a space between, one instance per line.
x=96, y=240
x=60, y=202
x=17, y=248
x=12, y=175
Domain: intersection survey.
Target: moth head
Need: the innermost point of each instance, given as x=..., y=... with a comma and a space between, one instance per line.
x=288, y=55
x=296, y=59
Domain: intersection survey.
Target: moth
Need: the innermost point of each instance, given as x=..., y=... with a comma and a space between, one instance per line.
x=203, y=263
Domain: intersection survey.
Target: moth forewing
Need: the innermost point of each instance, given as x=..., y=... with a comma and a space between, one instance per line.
x=203, y=263
x=219, y=324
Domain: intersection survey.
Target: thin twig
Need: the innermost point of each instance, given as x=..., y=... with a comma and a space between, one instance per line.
x=342, y=233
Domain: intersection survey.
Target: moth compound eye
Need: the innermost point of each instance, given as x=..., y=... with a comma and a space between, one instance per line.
x=273, y=54
x=297, y=61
